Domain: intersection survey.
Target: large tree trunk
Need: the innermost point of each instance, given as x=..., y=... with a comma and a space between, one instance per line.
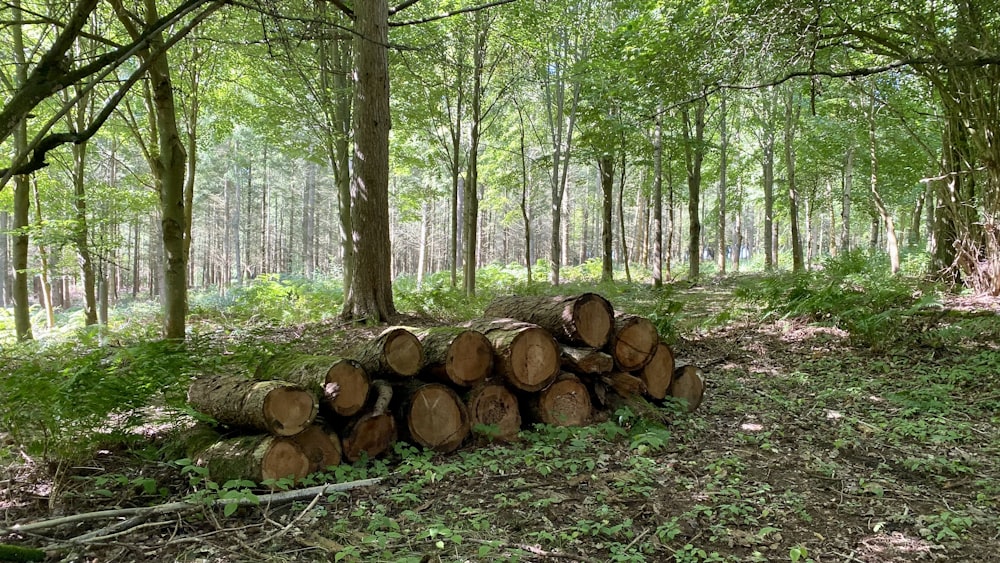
x=277, y=407
x=633, y=342
x=493, y=411
x=341, y=383
x=564, y=403
x=370, y=294
x=526, y=355
x=585, y=320
x=22, y=194
x=432, y=415
x=394, y=352
x=455, y=355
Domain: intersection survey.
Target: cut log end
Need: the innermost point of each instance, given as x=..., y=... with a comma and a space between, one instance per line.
x=534, y=359
x=493, y=410
x=470, y=358
x=594, y=319
x=634, y=342
x=321, y=447
x=346, y=388
x=659, y=372
x=403, y=352
x=436, y=418
x=289, y=410
x=689, y=386
x=564, y=403
x=284, y=459
x=371, y=435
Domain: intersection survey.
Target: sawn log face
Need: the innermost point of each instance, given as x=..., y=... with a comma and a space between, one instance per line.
x=277, y=407
x=582, y=320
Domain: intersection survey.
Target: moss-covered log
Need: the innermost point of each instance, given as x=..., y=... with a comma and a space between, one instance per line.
x=341, y=382
x=566, y=402
x=659, y=372
x=371, y=434
x=633, y=342
x=278, y=407
x=256, y=458
x=454, y=355
x=432, y=415
x=525, y=355
x=582, y=320
x=494, y=411
x=395, y=352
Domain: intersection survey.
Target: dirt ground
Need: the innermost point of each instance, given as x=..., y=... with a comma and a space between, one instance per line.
x=807, y=447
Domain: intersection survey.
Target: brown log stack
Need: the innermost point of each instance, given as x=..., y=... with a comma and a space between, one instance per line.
x=455, y=355
x=493, y=410
x=372, y=433
x=341, y=382
x=396, y=352
x=582, y=320
x=432, y=415
x=633, y=342
x=525, y=354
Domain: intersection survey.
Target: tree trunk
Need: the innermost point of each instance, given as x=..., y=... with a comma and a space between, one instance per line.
x=394, y=352
x=606, y=166
x=493, y=411
x=373, y=433
x=525, y=354
x=4, y=260
x=621, y=220
x=845, y=209
x=659, y=372
x=584, y=320
x=633, y=342
x=720, y=249
x=657, y=226
x=564, y=403
x=432, y=415
x=370, y=294
x=341, y=383
x=525, y=207
x=45, y=265
x=455, y=355
x=694, y=154
x=22, y=198
x=892, y=243
x=791, y=123
x=277, y=407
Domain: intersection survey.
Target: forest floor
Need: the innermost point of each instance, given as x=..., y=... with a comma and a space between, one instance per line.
x=809, y=446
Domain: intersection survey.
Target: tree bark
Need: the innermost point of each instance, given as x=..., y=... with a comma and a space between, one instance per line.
x=892, y=242
x=583, y=320
x=659, y=372
x=22, y=194
x=254, y=458
x=720, y=249
x=606, y=166
x=277, y=407
x=585, y=360
x=341, y=383
x=694, y=155
x=525, y=354
x=791, y=123
x=657, y=226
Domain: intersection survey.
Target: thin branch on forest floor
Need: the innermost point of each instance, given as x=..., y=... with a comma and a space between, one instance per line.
x=534, y=550
x=285, y=529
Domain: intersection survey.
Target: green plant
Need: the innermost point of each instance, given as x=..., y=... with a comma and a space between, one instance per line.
x=944, y=526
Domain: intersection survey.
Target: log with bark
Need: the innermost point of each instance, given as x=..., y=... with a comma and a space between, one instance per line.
x=585, y=360
x=455, y=355
x=256, y=458
x=320, y=445
x=432, y=415
x=566, y=402
x=688, y=385
x=525, y=355
x=278, y=407
x=395, y=352
x=341, y=383
x=372, y=433
x=633, y=342
x=583, y=320
x=493, y=410
x=659, y=372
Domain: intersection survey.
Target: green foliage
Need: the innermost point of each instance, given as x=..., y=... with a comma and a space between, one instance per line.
x=286, y=299
x=853, y=291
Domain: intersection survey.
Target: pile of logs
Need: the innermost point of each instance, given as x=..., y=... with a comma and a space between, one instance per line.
x=555, y=360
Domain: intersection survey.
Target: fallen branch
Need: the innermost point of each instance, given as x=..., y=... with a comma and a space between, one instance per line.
x=180, y=506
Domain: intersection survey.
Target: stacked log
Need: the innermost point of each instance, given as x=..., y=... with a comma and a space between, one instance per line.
x=553, y=360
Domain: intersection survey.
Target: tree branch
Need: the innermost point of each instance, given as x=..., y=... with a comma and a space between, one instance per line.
x=451, y=13
x=406, y=4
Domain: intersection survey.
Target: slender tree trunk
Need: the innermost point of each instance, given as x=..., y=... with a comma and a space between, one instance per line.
x=43, y=259
x=621, y=219
x=657, y=226
x=22, y=196
x=892, y=244
x=845, y=209
x=606, y=166
x=309, y=222
x=525, y=207
x=471, y=218
x=791, y=124
x=694, y=154
x=4, y=259
x=370, y=293
x=738, y=227
x=720, y=256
